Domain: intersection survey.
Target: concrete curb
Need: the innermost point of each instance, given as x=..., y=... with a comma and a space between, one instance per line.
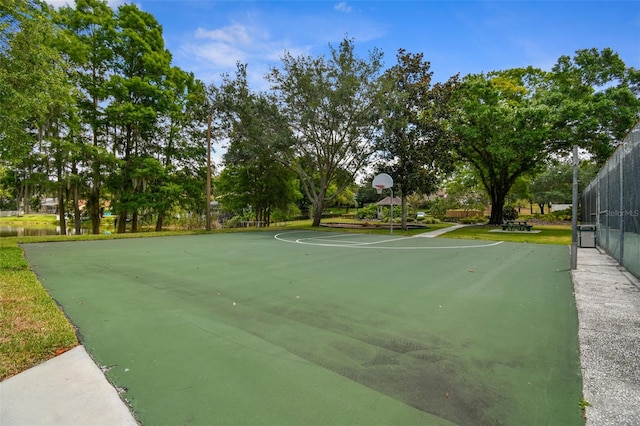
x=67, y=390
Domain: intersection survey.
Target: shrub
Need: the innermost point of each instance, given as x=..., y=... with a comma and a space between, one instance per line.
x=234, y=222
x=509, y=213
x=473, y=220
x=283, y=215
x=369, y=212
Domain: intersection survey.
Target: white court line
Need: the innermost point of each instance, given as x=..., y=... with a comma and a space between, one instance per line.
x=353, y=243
x=311, y=241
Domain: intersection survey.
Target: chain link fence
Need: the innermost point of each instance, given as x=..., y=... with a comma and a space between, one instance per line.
x=612, y=203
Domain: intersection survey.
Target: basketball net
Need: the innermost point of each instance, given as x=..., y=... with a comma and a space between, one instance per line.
x=379, y=188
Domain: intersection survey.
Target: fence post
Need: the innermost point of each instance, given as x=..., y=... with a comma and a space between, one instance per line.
x=622, y=209
x=574, y=212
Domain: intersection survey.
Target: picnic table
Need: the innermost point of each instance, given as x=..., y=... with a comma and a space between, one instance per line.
x=516, y=225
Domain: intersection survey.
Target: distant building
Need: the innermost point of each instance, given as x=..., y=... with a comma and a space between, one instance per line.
x=48, y=206
x=559, y=207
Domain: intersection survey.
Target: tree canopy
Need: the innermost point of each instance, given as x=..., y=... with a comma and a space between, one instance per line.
x=413, y=143
x=92, y=109
x=509, y=123
x=331, y=106
x=95, y=111
x=253, y=175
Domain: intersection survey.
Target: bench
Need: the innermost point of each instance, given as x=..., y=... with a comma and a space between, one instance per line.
x=516, y=225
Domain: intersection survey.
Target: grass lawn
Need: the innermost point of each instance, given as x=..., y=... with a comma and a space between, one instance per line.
x=30, y=220
x=32, y=328
x=549, y=234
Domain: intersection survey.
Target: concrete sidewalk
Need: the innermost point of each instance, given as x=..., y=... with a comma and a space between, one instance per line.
x=437, y=232
x=608, y=301
x=67, y=390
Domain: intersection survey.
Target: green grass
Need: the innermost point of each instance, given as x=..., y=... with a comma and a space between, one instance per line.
x=549, y=234
x=32, y=328
x=32, y=220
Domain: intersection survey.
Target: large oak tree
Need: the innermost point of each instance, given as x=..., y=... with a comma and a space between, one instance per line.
x=511, y=122
x=331, y=106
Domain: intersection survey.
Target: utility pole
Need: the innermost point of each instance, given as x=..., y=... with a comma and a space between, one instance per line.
x=208, y=167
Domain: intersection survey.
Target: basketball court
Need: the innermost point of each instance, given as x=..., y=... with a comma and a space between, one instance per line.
x=321, y=328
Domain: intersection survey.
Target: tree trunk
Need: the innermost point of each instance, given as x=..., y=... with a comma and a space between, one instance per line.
x=122, y=222
x=134, y=222
x=403, y=223
x=159, y=221
x=318, y=206
x=497, y=205
x=93, y=206
x=77, y=220
x=76, y=210
x=317, y=215
x=26, y=207
x=541, y=205
x=63, y=219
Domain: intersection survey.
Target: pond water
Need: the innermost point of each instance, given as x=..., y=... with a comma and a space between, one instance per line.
x=31, y=231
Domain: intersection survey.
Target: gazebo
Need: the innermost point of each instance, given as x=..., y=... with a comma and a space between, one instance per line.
x=386, y=202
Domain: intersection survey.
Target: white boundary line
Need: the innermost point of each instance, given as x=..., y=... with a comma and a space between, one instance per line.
x=318, y=241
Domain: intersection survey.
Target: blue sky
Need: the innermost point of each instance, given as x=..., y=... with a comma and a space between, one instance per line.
x=209, y=37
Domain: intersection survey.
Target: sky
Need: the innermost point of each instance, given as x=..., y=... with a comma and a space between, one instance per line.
x=209, y=37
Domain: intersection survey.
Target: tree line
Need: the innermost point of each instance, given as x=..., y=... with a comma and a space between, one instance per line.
x=92, y=109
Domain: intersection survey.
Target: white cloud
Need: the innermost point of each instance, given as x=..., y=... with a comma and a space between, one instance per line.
x=212, y=52
x=220, y=55
x=59, y=3
x=235, y=33
x=342, y=7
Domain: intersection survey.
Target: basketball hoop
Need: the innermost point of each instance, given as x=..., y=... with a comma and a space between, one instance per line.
x=380, y=182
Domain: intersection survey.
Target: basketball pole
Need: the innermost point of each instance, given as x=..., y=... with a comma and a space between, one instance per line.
x=391, y=220
x=381, y=182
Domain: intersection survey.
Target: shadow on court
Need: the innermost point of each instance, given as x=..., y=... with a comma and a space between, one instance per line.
x=324, y=328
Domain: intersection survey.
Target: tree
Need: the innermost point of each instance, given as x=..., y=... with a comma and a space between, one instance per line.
x=413, y=142
x=179, y=140
x=366, y=194
x=554, y=185
x=511, y=122
x=520, y=193
x=331, y=107
x=464, y=190
x=88, y=96
x=88, y=43
x=35, y=101
x=416, y=200
x=504, y=130
x=140, y=98
x=597, y=100
x=253, y=176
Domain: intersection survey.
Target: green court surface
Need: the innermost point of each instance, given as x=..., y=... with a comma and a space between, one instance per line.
x=313, y=328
